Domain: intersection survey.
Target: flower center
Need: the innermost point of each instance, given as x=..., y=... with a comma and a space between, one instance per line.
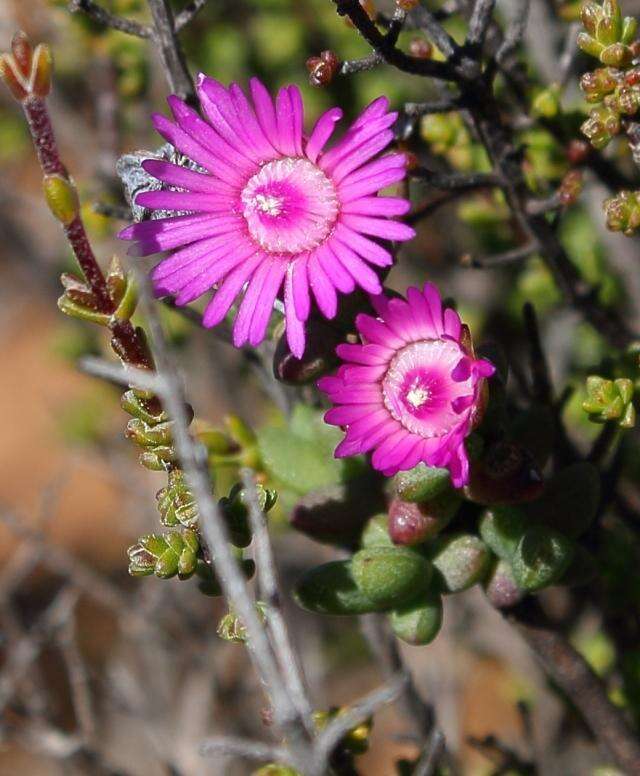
x=418, y=388
x=290, y=206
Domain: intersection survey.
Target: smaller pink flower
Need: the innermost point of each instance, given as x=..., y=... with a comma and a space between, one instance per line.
x=412, y=391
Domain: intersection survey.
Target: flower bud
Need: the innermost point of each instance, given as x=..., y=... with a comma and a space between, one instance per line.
x=419, y=621
x=616, y=55
x=629, y=29
x=420, y=48
x=623, y=212
x=570, y=188
x=390, y=575
x=589, y=44
x=421, y=483
x=547, y=102
x=407, y=5
x=461, y=561
x=411, y=523
x=331, y=589
x=235, y=510
x=62, y=198
x=22, y=52
x=577, y=151
x=501, y=528
x=610, y=400
x=590, y=15
x=165, y=555
x=541, y=558
x=176, y=503
x=570, y=500
x=322, y=69
x=42, y=70
x=598, y=83
x=231, y=628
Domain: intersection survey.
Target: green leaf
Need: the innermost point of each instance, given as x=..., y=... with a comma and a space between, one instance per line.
x=390, y=575
x=461, y=561
x=501, y=528
x=331, y=589
x=419, y=621
x=421, y=483
x=541, y=558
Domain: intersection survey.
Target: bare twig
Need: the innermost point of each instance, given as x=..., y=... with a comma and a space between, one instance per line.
x=102, y=16
x=431, y=754
x=574, y=676
x=458, y=180
x=355, y=715
x=436, y=106
x=479, y=21
x=188, y=13
x=215, y=536
x=515, y=32
x=171, y=53
x=242, y=747
x=513, y=256
x=269, y=593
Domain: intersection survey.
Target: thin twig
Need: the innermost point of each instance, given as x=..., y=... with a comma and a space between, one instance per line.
x=515, y=32
x=458, y=180
x=431, y=754
x=436, y=106
x=269, y=592
x=574, y=676
x=513, y=256
x=243, y=747
x=173, y=59
x=102, y=16
x=479, y=21
x=188, y=13
x=215, y=536
x=353, y=716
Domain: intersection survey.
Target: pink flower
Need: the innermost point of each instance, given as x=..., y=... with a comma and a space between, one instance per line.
x=270, y=207
x=412, y=391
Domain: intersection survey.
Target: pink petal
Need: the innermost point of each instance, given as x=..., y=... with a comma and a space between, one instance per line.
x=321, y=133
x=323, y=290
x=224, y=297
x=184, y=178
x=294, y=328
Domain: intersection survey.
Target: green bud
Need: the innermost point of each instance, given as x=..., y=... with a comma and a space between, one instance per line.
x=623, y=212
x=235, y=509
x=419, y=621
x=500, y=586
x=461, y=561
x=275, y=769
x=609, y=30
x=421, y=483
x=389, y=575
x=590, y=16
x=376, y=533
x=541, y=558
x=147, y=435
x=331, y=589
x=231, y=628
x=176, y=504
x=165, y=555
x=501, y=528
x=589, y=45
x=62, y=198
x=616, y=55
x=74, y=309
x=610, y=400
x=137, y=406
x=629, y=29
x=570, y=500
x=546, y=104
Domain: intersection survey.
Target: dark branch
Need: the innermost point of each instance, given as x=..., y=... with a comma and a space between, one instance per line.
x=102, y=16
x=458, y=180
x=480, y=21
x=188, y=13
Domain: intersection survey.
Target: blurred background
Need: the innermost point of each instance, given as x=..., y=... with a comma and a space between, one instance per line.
x=102, y=673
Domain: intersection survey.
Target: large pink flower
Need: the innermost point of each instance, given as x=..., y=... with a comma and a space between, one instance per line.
x=412, y=391
x=270, y=207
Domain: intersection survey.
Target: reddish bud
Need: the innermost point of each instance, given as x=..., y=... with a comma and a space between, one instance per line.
x=22, y=52
x=420, y=48
x=570, y=187
x=577, y=151
x=11, y=78
x=415, y=523
x=322, y=69
x=407, y=5
x=506, y=474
